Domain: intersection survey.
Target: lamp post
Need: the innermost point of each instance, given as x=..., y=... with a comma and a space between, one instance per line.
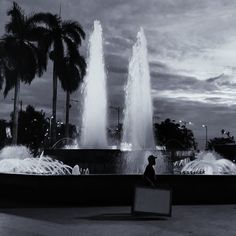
x=50, y=128
x=59, y=124
x=205, y=126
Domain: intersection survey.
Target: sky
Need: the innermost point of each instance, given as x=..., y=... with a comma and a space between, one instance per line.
x=191, y=49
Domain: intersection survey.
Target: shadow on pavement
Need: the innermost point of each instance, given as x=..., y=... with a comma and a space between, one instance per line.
x=122, y=217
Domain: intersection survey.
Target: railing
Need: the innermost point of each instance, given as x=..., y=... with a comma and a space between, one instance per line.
x=179, y=155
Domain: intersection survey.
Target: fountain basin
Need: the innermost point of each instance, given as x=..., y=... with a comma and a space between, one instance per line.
x=98, y=161
x=110, y=161
x=24, y=190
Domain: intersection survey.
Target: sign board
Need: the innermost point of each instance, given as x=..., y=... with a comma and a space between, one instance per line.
x=155, y=201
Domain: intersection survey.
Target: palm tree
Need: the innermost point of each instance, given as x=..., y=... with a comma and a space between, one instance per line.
x=59, y=40
x=2, y=60
x=72, y=75
x=21, y=60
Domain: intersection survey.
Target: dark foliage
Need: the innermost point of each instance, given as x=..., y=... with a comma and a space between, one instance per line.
x=174, y=136
x=72, y=73
x=33, y=126
x=4, y=138
x=20, y=58
x=220, y=141
x=60, y=41
x=20, y=55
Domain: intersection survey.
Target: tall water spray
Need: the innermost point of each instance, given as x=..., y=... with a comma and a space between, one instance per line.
x=94, y=123
x=138, y=125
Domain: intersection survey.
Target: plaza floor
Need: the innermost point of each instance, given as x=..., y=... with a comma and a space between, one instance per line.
x=111, y=221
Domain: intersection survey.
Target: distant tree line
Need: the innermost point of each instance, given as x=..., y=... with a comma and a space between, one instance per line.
x=34, y=130
x=226, y=138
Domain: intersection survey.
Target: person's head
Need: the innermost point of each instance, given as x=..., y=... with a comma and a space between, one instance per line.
x=152, y=160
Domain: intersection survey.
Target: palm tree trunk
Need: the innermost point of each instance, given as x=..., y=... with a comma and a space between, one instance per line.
x=67, y=114
x=54, y=106
x=15, y=112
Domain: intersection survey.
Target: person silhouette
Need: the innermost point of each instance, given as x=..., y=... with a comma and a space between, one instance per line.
x=149, y=173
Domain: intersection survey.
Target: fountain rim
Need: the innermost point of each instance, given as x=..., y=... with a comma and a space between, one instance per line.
x=103, y=150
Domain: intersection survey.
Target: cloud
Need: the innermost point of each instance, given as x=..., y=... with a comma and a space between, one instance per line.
x=215, y=117
x=167, y=81
x=116, y=64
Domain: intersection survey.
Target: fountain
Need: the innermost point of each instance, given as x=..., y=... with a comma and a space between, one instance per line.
x=209, y=163
x=25, y=163
x=94, y=123
x=138, y=123
x=30, y=178
x=138, y=139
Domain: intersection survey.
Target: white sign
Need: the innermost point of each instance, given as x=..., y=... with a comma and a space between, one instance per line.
x=152, y=201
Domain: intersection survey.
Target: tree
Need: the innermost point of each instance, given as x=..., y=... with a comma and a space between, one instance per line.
x=173, y=136
x=219, y=141
x=33, y=127
x=2, y=62
x=60, y=38
x=3, y=133
x=224, y=140
x=72, y=76
x=21, y=58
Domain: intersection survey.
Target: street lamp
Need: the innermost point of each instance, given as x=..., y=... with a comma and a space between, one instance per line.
x=186, y=122
x=59, y=124
x=205, y=126
x=50, y=127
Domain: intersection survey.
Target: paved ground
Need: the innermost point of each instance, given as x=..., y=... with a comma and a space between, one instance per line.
x=186, y=220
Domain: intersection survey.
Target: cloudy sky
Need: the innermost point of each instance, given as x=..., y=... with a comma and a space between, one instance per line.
x=192, y=55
